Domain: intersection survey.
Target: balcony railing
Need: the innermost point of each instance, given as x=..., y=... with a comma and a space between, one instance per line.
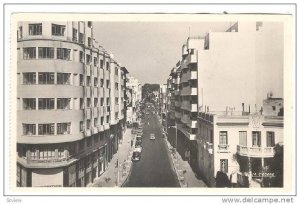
x=255, y=151
x=192, y=58
x=223, y=148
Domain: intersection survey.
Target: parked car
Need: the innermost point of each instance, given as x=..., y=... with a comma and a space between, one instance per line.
x=136, y=156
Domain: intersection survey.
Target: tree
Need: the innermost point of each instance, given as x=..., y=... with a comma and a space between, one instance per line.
x=275, y=168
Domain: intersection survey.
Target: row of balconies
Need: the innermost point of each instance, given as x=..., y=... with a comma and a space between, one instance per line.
x=256, y=152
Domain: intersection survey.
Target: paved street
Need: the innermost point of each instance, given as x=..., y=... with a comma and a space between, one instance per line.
x=154, y=169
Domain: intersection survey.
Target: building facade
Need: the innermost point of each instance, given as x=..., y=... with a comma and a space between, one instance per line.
x=134, y=96
x=70, y=104
x=224, y=80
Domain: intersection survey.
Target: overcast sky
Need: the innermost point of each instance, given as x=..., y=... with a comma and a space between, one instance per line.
x=149, y=50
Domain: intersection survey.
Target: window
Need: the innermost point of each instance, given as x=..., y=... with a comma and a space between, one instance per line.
x=95, y=102
x=95, y=61
x=101, y=101
x=256, y=139
x=29, y=103
x=89, y=24
x=88, y=102
x=29, y=53
x=243, y=138
x=107, y=119
x=46, y=77
x=117, y=86
x=107, y=66
x=63, y=128
x=46, y=129
x=46, y=52
x=63, y=78
x=46, y=103
x=29, y=129
x=63, y=53
x=95, y=81
x=192, y=51
x=35, y=29
x=81, y=57
x=81, y=80
x=96, y=138
x=74, y=35
x=101, y=82
x=117, y=101
x=270, y=139
x=58, y=30
x=89, y=143
x=223, y=138
x=81, y=126
x=88, y=59
x=224, y=165
x=88, y=124
x=107, y=101
x=88, y=81
x=102, y=120
x=89, y=42
x=107, y=84
x=116, y=115
x=20, y=35
x=95, y=122
x=101, y=63
x=81, y=38
x=116, y=71
x=81, y=103
x=273, y=108
x=63, y=103
x=29, y=78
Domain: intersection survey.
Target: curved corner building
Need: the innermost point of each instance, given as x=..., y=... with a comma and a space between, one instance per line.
x=64, y=137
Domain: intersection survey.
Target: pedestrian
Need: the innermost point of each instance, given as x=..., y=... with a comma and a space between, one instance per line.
x=222, y=180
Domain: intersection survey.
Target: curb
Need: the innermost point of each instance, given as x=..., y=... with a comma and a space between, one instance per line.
x=171, y=157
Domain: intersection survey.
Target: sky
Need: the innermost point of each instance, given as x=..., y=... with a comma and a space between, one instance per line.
x=149, y=50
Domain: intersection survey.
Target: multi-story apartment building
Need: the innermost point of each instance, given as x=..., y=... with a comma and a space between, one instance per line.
x=228, y=72
x=69, y=104
x=162, y=104
x=134, y=92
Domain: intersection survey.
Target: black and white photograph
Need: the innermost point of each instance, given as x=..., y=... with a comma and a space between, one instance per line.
x=185, y=102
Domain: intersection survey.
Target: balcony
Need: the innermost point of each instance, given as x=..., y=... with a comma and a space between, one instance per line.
x=185, y=118
x=258, y=152
x=192, y=59
x=193, y=91
x=192, y=75
x=184, y=78
x=185, y=105
x=185, y=91
x=192, y=107
x=177, y=103
x=223, y=148
x=177, y=92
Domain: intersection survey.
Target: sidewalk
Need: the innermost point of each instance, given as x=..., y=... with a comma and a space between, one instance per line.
x=184, y=172
x=110, y=177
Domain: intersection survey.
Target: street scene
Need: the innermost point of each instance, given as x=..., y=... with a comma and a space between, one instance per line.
x=155, y=106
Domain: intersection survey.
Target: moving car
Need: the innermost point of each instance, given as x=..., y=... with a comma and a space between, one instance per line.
x=152, y=136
